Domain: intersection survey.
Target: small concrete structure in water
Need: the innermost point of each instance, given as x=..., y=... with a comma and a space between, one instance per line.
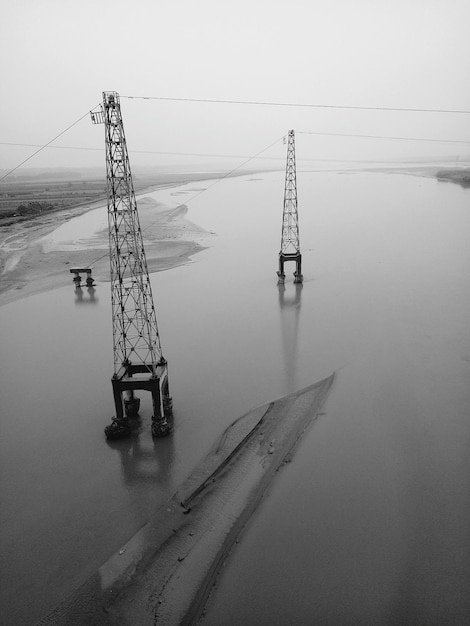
x=77, y=279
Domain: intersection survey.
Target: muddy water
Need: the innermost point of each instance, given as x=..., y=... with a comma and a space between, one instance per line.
x=369, y=523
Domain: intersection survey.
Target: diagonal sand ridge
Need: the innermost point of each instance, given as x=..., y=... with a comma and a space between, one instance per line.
x=165, y=573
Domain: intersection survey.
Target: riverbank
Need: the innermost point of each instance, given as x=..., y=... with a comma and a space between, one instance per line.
x=165, y=573
x=33, y=261
x=457, y=175
x=30, y=264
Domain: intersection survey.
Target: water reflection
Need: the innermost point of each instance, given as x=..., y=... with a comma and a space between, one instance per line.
x=90, y=299
x=143, y=462
x=290, y=303
x=292, y=300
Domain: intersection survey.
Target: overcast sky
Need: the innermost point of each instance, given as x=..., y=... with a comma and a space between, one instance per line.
x=58, y=56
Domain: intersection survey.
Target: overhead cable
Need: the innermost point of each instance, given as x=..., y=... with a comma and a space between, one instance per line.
x=255, y=156
x=45, y=145
x=303, y=132
x=220, y=178
x=233, y=156
x=298, y=104
x=191, y=154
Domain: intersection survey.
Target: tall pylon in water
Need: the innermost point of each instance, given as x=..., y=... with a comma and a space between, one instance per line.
x=138, y=358
x=290, y=244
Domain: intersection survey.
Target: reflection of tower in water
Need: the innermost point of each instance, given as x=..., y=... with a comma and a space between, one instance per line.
x=290, y=311
x=90, y=299
x=142, y=462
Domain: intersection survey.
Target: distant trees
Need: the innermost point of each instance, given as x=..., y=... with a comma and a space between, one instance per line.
x=33, y=208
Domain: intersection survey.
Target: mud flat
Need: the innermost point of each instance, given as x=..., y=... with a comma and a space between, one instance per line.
x=31, y=261
x=27, y=266
x=165, y=573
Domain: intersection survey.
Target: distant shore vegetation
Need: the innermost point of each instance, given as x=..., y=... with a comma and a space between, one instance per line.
x=459, y=176
x=25, y=198
x=22, y=200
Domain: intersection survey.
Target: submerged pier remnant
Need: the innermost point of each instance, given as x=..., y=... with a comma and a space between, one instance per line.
x=138, y=358
x=290, y=244
x=77, y=279
x=166, y=572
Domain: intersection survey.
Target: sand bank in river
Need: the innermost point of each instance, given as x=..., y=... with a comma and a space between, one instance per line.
x=34, y=257
x=165, y=573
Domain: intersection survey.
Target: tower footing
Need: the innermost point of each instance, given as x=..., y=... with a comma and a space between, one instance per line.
x=118, y=429
x=145, y=377
x=294, y=256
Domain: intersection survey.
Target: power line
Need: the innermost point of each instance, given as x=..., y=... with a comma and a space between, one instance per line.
x=220, y=178
x=233, y=156
x=255, y=156
x=300, y=132
x=192, y=154
x=38, y=145
x=298, y=104
x=42, y=147
x=45, y=145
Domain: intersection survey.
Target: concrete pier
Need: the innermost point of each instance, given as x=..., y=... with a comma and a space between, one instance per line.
x=297, y=258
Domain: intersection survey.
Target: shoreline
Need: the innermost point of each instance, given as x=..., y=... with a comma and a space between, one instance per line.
x=458, y=176
x=26, y=269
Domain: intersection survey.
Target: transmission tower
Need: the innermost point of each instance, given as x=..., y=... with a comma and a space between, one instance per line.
x=138, y=358
x=290, y=245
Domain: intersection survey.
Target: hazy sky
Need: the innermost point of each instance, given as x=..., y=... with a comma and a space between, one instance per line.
x=58, y=56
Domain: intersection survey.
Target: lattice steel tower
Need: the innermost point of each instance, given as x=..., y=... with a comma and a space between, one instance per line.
x=290, y=244
x=138, y=358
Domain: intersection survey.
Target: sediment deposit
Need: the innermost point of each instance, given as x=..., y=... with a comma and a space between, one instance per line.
x=165, y=573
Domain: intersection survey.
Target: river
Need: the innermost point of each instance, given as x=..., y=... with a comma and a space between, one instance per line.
x=370, y=522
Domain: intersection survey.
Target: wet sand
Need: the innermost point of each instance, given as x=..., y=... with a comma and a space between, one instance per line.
x=165, y=573
x=29, y=264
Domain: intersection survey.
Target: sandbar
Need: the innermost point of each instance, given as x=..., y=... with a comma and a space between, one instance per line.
x=33, y=261
x=165, y=573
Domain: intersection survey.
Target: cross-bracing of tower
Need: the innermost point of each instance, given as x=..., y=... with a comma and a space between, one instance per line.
x=290, y=244
x=138, y=357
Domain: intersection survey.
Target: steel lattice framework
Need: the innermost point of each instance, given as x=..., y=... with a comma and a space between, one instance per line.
x=136, y=341
x=290, y=242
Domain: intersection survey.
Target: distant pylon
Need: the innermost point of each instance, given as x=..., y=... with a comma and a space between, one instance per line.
x=138, y=358
x=290, y=244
